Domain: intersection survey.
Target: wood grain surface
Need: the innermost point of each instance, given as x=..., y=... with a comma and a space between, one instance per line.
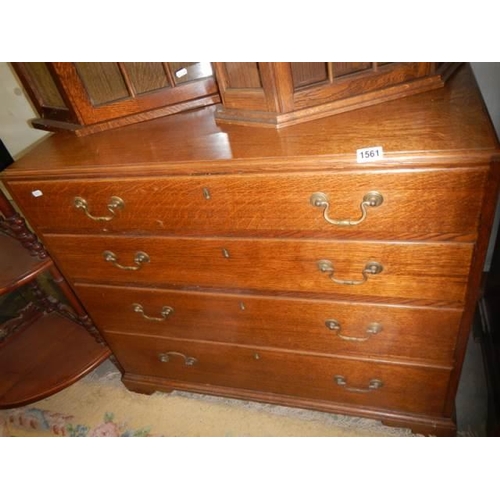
x=431, y=271
x=44, y=358
x=427, y=204
x=447, y=124
x=420, y=335
x=405, y=388
x=17, y=266
x=234, y=243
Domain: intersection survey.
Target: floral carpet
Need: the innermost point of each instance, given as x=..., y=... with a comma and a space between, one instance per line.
x=100, y=406
x=35, y=421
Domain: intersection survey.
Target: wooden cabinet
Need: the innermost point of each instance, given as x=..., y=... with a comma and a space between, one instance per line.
x=46, y=345
x=271, y=265
x=90, y=97
x=279, y=94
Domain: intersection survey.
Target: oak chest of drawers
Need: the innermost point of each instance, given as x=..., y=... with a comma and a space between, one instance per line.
x=271, y=265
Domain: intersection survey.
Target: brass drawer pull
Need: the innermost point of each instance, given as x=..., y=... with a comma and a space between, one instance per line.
x=372, y=329
x=140, y=258
x=373, y=385
x=165, y=357
x=115, y=203
x=166, y=311
x=371, y=199
x=325, y=266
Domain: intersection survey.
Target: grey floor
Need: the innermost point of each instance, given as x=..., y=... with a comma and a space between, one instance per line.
x=471, y=401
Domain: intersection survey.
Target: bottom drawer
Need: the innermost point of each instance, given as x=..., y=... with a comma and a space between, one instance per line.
x=377, y=385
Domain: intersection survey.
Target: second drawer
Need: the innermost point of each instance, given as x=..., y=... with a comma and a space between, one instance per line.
x=395, y=270
x=304, y=325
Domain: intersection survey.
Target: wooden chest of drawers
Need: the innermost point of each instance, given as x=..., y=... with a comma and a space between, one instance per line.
x=271, y=265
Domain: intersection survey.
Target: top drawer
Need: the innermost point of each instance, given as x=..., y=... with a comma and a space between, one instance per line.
x=414, y=204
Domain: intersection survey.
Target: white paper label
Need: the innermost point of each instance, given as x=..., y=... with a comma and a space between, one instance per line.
x=181, y=72
x=36, y=193
x=369, y=154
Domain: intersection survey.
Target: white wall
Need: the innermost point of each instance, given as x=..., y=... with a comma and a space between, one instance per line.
x=488, y=78
x=15, y=113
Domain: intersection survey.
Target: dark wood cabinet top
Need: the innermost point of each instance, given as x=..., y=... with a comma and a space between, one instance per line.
x=435, y=126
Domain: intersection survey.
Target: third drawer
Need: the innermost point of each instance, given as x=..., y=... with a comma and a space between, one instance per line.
x=322, y=326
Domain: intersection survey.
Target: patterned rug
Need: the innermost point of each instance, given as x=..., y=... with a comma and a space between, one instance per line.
x=99, y=405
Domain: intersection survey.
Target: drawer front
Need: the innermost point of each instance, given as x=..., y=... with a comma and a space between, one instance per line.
x=436, y=271
x=305, y=325
x=362, y=383
x=417, y=203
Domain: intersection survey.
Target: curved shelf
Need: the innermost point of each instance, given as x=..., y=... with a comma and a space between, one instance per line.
x=17, y=266
x=46, y=357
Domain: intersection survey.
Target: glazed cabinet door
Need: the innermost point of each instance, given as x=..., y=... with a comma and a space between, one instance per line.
x=88, y=93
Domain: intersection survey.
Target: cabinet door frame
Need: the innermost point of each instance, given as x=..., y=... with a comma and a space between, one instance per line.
x=74, y=91
x=45, y=110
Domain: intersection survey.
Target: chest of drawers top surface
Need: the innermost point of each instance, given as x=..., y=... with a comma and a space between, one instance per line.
x=441, y=125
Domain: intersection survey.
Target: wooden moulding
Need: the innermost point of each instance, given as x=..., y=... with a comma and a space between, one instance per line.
x=83, y=130
x=277, y=104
